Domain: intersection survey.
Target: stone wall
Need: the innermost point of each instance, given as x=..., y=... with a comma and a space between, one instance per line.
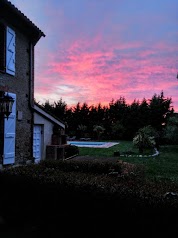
x=20, y=85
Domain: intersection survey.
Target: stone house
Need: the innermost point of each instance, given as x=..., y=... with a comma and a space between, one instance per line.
x=19, y=132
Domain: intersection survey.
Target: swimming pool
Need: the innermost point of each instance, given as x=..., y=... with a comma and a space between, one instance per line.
x=93, y=144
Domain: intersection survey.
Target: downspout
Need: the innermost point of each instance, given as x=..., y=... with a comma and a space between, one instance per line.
x=31, y=76
x=31, y=73
x=31, y=92
x=31, y=84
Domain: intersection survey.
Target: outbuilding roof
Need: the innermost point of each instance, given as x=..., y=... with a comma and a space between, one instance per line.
x=49, y=117
x=16, y=18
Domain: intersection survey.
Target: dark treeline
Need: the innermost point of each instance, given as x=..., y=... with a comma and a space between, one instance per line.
x=119, y=120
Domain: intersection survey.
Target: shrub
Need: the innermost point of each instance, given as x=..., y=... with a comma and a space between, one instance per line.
x=171, y=130
x=82, y=166
x=77, y=191
x=71, y=150
x=145, y=138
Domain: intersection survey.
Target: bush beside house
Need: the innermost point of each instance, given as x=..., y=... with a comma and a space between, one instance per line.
x=96, y=196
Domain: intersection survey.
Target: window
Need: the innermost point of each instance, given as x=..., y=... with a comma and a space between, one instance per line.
x=7, y=50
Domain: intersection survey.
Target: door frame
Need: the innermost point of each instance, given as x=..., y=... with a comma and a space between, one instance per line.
x=37, y=160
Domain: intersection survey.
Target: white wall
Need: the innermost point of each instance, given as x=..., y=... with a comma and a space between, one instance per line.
x=47, y=131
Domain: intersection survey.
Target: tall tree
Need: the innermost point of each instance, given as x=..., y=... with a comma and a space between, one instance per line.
x=132, y=121
x=117, y=110
x=49, y=107
x=84, y=114
x=60, y=108
x=160, y=109
x=144, y=113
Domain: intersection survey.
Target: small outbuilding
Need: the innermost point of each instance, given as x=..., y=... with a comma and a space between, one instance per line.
x=45, y=128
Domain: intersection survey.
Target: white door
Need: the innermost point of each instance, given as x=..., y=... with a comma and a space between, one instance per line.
x=9, y=135
x=37, y=132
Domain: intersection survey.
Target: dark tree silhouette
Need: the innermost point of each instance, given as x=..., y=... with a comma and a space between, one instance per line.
x=124, y=118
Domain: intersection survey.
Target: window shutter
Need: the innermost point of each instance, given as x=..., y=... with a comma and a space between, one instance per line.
x=2, y=47
x=10, y=51
x=9, y=135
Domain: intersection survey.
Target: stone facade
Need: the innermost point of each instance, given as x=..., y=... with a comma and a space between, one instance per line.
x=19, y=84
x=22, y=83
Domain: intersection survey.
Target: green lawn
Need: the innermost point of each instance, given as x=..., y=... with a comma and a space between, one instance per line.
x=164, y=166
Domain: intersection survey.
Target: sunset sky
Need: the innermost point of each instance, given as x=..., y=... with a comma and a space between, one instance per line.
x=98, y=50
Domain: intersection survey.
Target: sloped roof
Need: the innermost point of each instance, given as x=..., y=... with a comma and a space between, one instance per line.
x=16, y=18
x=49, y=117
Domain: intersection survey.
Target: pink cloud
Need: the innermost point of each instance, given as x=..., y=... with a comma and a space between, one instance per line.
x=96, y=71
x=104, y=52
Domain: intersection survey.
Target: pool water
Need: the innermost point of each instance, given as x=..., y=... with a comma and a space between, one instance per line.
x=93, y=144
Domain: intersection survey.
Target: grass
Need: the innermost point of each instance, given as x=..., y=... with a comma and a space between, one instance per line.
x=162, y=167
